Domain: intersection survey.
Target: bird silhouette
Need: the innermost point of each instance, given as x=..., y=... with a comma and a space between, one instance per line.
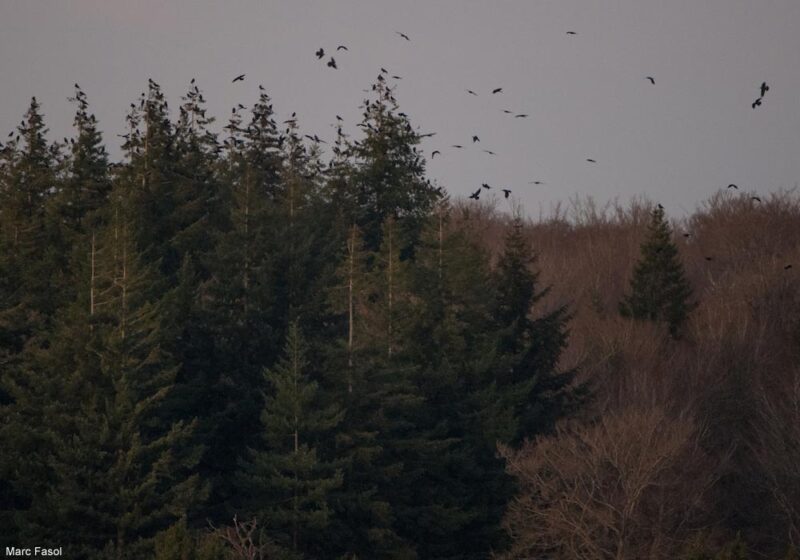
x=732, y=186
x=755, y=198
x=403, y=35
x=475, y=139
x=764, y=88
x=342, y=48
x=507, y=112
x=469, y=91
x=457, y=146
x=476, y=195
x=239, y=78
x=490, y=152
x=521, y=116
x=338, y=118
x=497, y=90
x=590, y=160
x=536, y=182
x=506, y=192
x=486, y=186
x=332, y=63
x=652, y=79
x=320, y=53
x=434, y=152
x=571, y=33
x=756, y=103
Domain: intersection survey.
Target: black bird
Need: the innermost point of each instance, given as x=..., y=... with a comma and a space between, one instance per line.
x=755, y=198
x=497, y=90
x=506, y=192
x=486, y=186
x=732, y=186
x=434, y=152
x=491, y=153
x=239, y=78
x=338, y=118
x=652, y=79
x=457, y=146
x=403, y=35
x=590, y=160
x=756, y=103
x=476, y=195
x=332, y=63
x=521, y=116
x=342, y=48
x=469, y=91
x=397, y=77
x=660, y=206
x=787, y=267
x=507, y=112
x=764, y=88
x=475, y=139
x=536, y=182
x=571, y=33
x=320, y=53
x=192, y=81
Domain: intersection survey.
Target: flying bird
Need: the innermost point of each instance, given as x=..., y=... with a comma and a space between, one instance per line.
x=403, y=35
x=764, y=88
x=332, y=63
x=536, y=182
x=475, y=139
x=756, y=103
x=457, y=146
x=506, y=192
x=590, y=160
x=342, y=48
x=732, y=186
x=486, y=186
x=239, y=78
x=469, y=91
x=507, y=112
x=521, y=116
x=490, y=152
x=476, y=195
x=652, y=79
x=434, y=152
x=571, y=33
x=755, y=198
x=320, y=53
x=497, y=90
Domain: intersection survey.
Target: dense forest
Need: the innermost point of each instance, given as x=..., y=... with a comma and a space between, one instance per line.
x=238, y=343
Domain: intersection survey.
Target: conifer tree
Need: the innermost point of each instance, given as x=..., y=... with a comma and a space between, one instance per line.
x=659, y=290
x=286, y=481
x=528, y=349
x=115, y=474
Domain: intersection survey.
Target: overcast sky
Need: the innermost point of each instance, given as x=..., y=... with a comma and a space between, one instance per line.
x=676, y=142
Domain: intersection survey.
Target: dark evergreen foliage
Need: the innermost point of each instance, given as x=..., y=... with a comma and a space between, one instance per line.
x=659, y=290
x=154, y=375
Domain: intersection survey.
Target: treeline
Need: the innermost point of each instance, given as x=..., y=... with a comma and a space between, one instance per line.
x=230, y=345
x=232, y=327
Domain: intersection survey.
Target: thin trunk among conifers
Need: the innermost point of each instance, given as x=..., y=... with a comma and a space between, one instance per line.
x=390, y=282
x=351, y=250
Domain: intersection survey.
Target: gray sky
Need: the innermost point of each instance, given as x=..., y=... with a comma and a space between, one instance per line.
x=677, y=141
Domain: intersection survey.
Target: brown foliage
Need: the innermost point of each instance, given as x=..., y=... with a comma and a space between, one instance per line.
x=735, y=373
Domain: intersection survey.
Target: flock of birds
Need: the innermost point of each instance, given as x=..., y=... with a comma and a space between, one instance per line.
x=331, y=63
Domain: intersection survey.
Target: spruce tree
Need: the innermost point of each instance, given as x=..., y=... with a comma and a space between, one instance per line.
x=286, y=481
x=659, y=290
x=528, y=384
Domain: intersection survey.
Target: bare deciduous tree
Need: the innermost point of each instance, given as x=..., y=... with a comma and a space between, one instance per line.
x=630, y=486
